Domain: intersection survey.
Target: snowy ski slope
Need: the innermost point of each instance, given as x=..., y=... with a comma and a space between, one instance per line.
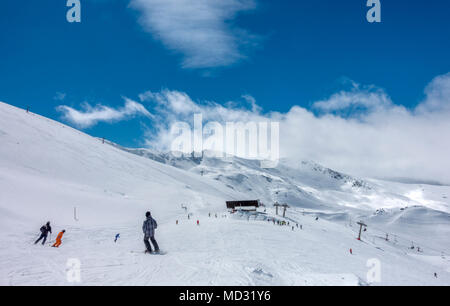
x=51, y=172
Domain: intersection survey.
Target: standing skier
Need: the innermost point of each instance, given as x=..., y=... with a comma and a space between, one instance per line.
x=45, y=229
x=149, y=233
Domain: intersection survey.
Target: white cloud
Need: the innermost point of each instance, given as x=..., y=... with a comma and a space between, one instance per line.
x=90, y=115
x=252, y=101
x=201, y=30
x=367, y=98
x=387, y=140
x=177, y=102
x=438, y=95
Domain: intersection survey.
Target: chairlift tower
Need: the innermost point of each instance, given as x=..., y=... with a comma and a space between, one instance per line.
x=276, y=207
x=285, y=206
x=361, y=224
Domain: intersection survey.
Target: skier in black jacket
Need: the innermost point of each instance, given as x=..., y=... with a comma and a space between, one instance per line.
x=45, y=229
x=148, y=228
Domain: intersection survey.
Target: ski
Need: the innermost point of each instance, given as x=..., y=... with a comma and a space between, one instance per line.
x=147, y=253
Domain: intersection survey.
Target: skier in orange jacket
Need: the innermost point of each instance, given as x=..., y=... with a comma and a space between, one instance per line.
x=58, y=239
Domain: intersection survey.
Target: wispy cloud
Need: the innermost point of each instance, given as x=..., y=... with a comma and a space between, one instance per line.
x=59, y=96
x=91, y=115
x=201, y=30
x=386, y=140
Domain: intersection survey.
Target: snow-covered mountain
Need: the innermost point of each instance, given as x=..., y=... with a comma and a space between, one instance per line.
x=303, y=184
x=94, y=190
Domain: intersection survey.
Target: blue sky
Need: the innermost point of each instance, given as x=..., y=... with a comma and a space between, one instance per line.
x=281, y=53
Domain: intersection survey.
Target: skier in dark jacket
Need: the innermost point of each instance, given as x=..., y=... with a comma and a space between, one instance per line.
x=149, y=233
x=45, y=229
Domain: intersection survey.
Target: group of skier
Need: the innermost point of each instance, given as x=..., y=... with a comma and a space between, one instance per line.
x=45, y=230
x=148, y=229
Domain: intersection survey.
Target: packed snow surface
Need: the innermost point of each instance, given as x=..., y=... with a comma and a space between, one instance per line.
x=95, y=190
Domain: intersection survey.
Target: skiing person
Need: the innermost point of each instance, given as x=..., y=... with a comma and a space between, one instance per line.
x=149, y=233
x=45, y=229
x=58, y=239
x=116, y=238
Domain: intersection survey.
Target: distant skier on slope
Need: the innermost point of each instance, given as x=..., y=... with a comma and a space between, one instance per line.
x=58, y=239
x=149, y=233
x=45, y=229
